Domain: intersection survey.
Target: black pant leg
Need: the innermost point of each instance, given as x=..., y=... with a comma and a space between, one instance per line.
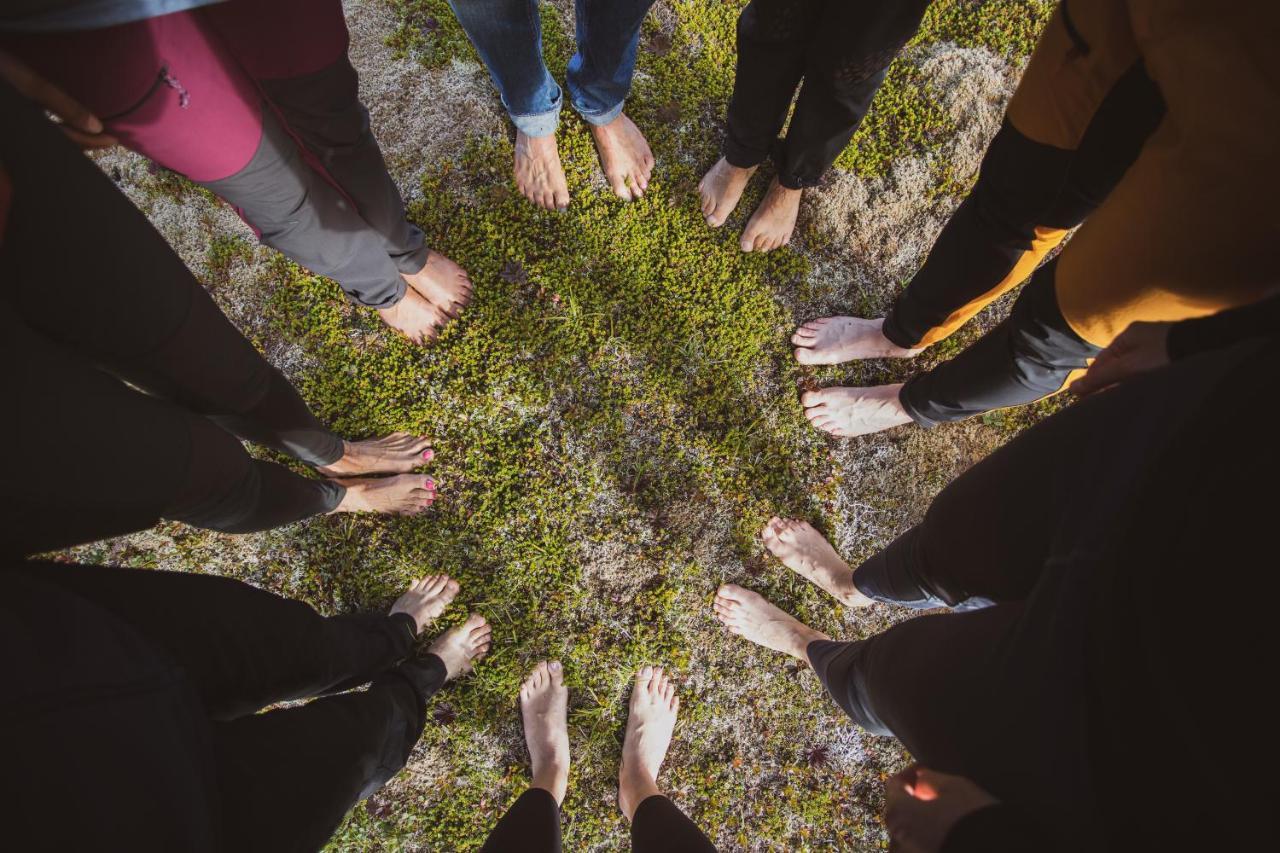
x=660, y=827
x=242, y=648
x=287, y=777
x=1028, y=356
x=531, y=825
x=773, y=37
x=847, y=60
x=988, y=532
x=138, y=313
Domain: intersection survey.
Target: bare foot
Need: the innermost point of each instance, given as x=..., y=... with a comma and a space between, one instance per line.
x=462, y=646
x=414, y=317
x=403, y=494
x=801, y=548
x=748, y=614
x=442, y=283
x=832, y=340
x=721, y=188
x=539, y=175
x=847, y=412
x=771, y=226
x=544, y=705
x=426, y=599
x=625, y=156
x=650, y=724
x=397, y=453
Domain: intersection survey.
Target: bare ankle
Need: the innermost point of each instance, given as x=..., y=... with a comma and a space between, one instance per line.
x=554, y=780
x=634, y=787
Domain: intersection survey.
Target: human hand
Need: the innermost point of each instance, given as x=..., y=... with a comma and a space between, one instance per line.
x=922, y=806
x=1139, y=348
x=81, y=126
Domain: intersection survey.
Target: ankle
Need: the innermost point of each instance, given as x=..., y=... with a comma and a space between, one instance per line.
x=634, y=787
x=800, y=640
x=553, y=779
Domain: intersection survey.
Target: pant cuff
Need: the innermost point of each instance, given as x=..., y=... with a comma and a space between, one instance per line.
x=414, y=258
x=793, y=182
x=599, y=118
x=542, y=124
x=904, y=397
x=896, y=334
x=742, y=158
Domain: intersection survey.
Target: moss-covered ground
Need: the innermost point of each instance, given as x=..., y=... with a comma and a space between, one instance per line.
x=614, y=417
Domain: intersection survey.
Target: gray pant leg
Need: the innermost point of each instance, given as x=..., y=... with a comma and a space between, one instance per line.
x=302, y=215
x=324, y=110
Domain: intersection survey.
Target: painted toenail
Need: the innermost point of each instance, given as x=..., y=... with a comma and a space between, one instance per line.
x=428, y=454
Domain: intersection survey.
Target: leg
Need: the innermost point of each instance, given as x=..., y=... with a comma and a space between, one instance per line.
x=531, y=825
x=243, y=648
x=1030, y=355
x=1085, y=59
x=600, y=71
x=508, y=36
x=660, y=827
x=773, y=37
x=282, y=792
x=656, y=823
x=989, y=533
x=287, y=777
x=297, y=53
x=599, y=78
x=145, y=458
x=533, y=822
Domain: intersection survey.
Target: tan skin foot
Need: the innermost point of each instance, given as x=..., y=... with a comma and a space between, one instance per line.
x=539, y=175
x=748, y=614
x=834, y=340
x=650, y=725
x=442, y=283
x=774, y=221
x=397, y=453
x=414, y=317
x=624, y=156
x=462, y=646
x=721, y=188
x=403, y=494
x=805, y=551
x=544, y=703
x=849, y=412
x=426, y=599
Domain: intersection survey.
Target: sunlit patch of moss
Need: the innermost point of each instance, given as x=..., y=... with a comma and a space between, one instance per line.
x=1006, y=27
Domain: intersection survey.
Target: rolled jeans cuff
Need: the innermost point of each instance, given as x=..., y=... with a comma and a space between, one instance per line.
x=600, y=119
x=541, y=124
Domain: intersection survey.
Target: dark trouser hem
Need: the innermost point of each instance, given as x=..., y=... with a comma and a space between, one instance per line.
x=741, y=157
x=1028, y=356
x=659, y=826
x=531, y=825
x=283, y=422
x=226, y=490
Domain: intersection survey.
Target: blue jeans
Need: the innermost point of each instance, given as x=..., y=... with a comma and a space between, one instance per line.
x=508, y=36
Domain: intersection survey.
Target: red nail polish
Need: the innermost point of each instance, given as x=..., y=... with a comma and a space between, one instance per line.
x=428, y=454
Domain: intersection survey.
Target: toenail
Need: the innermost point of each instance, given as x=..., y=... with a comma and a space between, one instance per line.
x=428, y=454
x=556, y=666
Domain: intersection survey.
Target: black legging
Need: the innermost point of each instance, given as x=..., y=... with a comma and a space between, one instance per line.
x=1008, y=694
x=128, y=386
x=840, y=49
x=283, y=779
x=532, y=825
